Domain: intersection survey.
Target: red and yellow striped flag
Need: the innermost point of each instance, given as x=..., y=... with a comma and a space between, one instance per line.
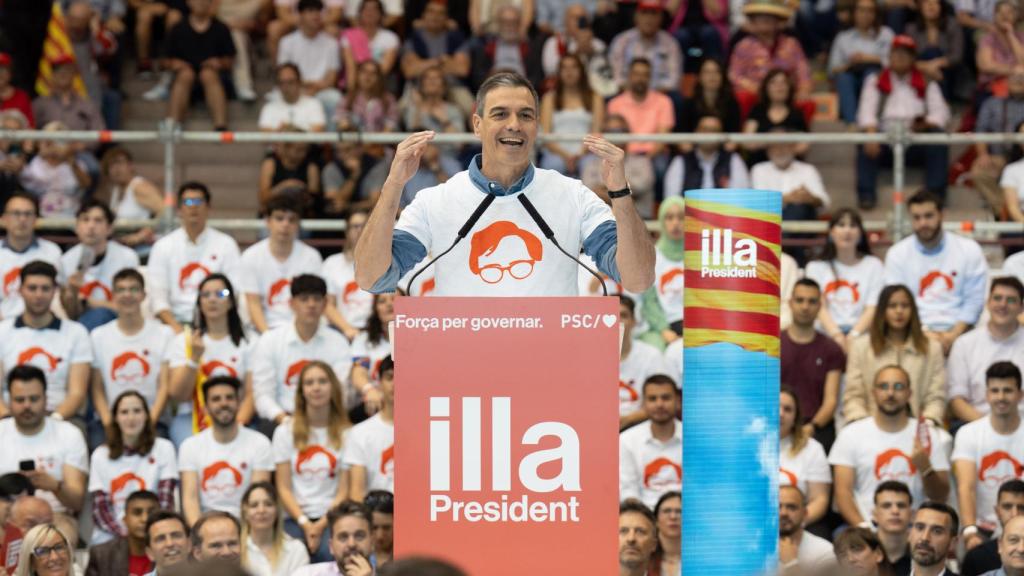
x=56, y=46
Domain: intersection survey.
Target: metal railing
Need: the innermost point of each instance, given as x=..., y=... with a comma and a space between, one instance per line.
x=172, y=137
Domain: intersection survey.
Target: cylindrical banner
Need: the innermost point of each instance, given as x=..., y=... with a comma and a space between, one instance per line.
x=731, y=386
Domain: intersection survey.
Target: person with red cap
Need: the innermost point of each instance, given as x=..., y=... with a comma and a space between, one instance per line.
x=901, y=94
x=12, y=97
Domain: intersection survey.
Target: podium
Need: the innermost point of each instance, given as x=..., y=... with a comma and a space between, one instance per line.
x=506, y=433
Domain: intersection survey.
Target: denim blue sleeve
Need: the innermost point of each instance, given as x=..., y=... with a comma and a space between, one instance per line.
x=406, y=252
x=602, y=245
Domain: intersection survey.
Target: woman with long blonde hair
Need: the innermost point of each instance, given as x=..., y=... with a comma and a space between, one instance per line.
x=308, y=456
x=802, y=461
x=45, y=551
x=267, y=550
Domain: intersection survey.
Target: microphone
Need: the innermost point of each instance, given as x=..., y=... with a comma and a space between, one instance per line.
x=550, y=235
x=473, y=218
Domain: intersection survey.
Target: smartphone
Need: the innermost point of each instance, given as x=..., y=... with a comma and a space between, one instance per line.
x=27, y=465
x=87, y=259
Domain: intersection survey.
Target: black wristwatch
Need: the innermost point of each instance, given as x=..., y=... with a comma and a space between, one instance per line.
x=613, y=194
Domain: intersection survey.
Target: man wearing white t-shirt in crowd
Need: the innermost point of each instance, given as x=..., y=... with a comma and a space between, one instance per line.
x=945, y=272
x=183, y=258
x=351, y=531
x=317, y=56
x=891, y=514
x=60, y=348
x=348, y=305
x=989, y=451
x=281, y=353
x=800, y=552
x=370, y=446
x=886, y=447
x=91, y=264
x=293, y=108
x=973, y=353
x=637, y=362
x=504, y=255
x=128, y=354
x=985, y=556
x=803, y=191
x=650, y=453
x=218, y=464
x=268, y=266
x=19, y=247
x=50, y=452
x=933, y=535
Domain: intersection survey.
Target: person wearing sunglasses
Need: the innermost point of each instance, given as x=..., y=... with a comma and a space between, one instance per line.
x=888, y=446
x=45, y=552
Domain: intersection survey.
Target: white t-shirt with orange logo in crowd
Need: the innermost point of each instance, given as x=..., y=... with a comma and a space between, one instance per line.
x=996, y=457
x=370, y=355
x=131, y=472
x=649, y=467
x=177, y=266
x=877, y=456
x=130, y=362
x=316, y=470
x=848, y=289
x=642, y=362
x=262, y=274
x=354, y=303
x=505, y=254
x=808, y=465
x=53, y=349
x=220, y=358
x=371, y=444
x=98, y=281
x=280, y=356
x=224, y=471
x=57, y=444
x=668, y=283
x=11, y=263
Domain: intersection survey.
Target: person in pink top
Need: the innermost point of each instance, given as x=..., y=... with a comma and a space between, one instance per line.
x=764, y=49
x=647, y=111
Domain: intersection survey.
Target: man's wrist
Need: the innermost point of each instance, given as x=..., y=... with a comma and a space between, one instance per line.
x=969, y=531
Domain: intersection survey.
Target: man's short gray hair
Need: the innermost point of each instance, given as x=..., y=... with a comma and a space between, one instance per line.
x=504, y=80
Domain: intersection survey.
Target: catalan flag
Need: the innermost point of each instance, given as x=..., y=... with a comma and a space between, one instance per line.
x=200, y=417
x=56, y=48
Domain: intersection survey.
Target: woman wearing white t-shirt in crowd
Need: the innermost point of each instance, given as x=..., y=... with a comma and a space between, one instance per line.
x=368, y=350
x=663, y=302
x=216, y=346
x=348, y=306
x=850, y=277
x=802, y=461
x=129, y=195
x=1012, y=182
x=132, y=459
x=669, y=515
x=266, y=549
x=308, y=458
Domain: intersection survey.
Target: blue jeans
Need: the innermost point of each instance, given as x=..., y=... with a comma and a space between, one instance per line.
x=935, y=159
x=321, y=554
x=848, y=85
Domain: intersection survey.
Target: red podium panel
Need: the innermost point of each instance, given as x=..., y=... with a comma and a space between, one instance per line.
x=506, y=433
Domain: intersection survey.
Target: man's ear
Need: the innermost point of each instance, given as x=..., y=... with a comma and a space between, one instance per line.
x=476, y=124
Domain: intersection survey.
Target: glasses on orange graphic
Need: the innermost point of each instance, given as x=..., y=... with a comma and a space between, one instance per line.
x=512, y=250
x=518, y=269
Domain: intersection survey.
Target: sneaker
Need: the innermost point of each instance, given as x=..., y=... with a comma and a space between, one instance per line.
x=159, y=92
x=246, y=94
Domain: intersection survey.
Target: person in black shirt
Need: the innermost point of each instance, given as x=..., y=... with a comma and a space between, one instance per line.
x=200, y=49
x=984, y=557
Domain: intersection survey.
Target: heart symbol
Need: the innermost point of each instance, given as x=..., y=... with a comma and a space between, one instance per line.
x=609, y=319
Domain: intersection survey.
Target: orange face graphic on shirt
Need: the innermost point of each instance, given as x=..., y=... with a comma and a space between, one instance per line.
x=662, y=473
x=998, y=467
x=671, y=282
x=316, y=462
x=129, y=368
x=387, y=461
x=935, y=283
x=427, y=287
x=280, y=293
x=842, y=291
x=291, y=377
x=12, y=280
x=894, y=464
x=502, y=251
x=786, y=478
x=122, y=486
x=40, y=358
x=218, y=368
x=350, y=289
x=90, y=287
x=191, y=275
x=221, y=478
x=627, y=393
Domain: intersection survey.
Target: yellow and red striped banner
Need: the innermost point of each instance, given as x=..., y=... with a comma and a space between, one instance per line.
x=57, y=45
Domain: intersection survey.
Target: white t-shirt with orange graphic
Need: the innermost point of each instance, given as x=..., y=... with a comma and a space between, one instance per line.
x=225, y=471
x=668, y=284
x=53, y=349
x=316, y=470
x=855, y=288
x=220, y=358
x=642, y=362
x=371, y=444
x=877, y=456
x=279, y=357
x=57, y=444
x=10, y=272
x=262, y=274
x=177, y=266
x=370, y=355
x=354, y=303
x=808, y=465
x=119, y=478
x=505, y=254
x=996, y=457
x=649, y=467
x=130, y=362
x=98, y=281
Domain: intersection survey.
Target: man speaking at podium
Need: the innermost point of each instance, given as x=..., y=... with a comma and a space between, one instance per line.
x=512, y=213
